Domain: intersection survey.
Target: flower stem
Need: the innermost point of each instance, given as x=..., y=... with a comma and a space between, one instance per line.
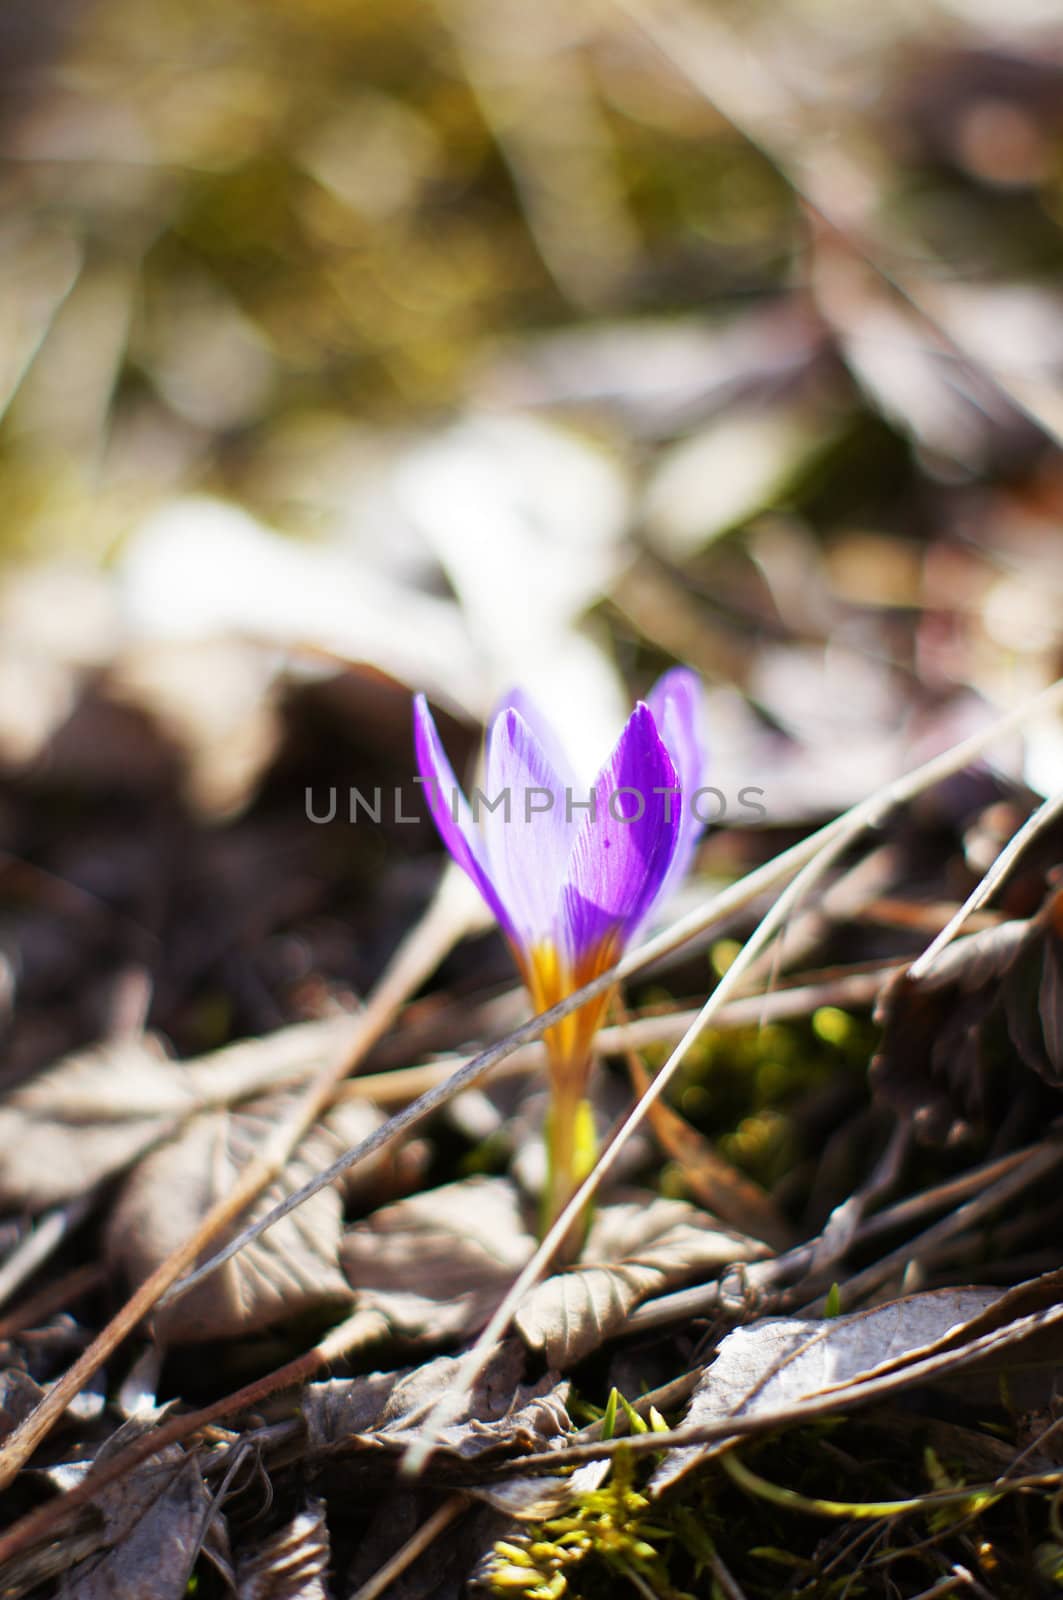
x=570, y=1151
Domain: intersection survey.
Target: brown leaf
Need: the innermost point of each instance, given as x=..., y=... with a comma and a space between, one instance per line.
x=152, y=1523
x=96, y=1111
x=289, y=1270
x=500, y=1415
x=85, y=1119
x=292, y=1563
x=635, y=1248
x=437, y=1264
x=788, y=1369
x=782, y=1361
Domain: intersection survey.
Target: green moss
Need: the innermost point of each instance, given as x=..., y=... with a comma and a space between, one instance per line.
x=609, y=1532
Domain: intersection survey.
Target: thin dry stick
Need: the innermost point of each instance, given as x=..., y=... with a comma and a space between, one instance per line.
x=731, y=899
x=998, y=872
x=725, y=1582
x=845, y=989
x=720, y=1187
x=416, y=958
x=415, y=1545
x=700, y=1298
x=1038, y=1162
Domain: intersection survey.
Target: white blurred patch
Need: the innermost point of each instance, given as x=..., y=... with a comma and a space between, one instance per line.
x=526, y=520
x=200, y=567
x=724, y=474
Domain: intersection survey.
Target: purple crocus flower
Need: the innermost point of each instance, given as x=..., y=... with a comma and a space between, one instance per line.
x=572, y=875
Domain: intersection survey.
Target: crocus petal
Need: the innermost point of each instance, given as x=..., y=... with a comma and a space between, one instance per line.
x=450, y=811
x=617, y=866
x=675, y=701
x=528, y=836
x=520, y=701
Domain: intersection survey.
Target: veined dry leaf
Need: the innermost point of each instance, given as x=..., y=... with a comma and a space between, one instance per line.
x=292, y=1563
x=953, y=1038
x=635, y=1248
x=291, y=1269
x=437, y=1264
x=96, y=1111
x=775, y=1365
x=500, y=1415
x=86, y=1118
x=152, y=1523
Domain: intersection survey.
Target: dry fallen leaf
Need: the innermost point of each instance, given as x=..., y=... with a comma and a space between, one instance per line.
x=86, y=1118
x=153, y=1521
x=953, y=1038
x=289, y=1270
x=635, y=1248
x=776, y=1365
x=501, y=1415
x=475, y=1238
x=292, y=1563
x=97, y=1110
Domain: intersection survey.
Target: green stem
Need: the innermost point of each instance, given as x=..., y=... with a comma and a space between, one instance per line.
x=853, y=1510
x=570, y=1153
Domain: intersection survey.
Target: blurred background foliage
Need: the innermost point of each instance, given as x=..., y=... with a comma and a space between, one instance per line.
x=733, y=332
x=235, y=235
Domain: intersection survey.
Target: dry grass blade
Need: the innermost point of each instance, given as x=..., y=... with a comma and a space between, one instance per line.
x=718, y=1186
x=430, y=1530
x=37, y=1246
x=843, y=988
x=443, y=924
x=797, y=1264
x=1039, y=1161
x=997, y=874
x=737, y=895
